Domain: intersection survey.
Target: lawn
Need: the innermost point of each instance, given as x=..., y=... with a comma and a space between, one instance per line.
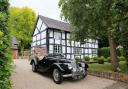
x=106, y=67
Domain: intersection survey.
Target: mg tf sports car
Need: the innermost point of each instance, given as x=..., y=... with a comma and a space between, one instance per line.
x=59, y=66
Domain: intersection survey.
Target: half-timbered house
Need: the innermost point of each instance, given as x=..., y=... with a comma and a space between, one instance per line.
x=54, y=37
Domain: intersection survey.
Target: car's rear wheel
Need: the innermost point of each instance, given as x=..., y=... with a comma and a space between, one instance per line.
x=57, y=76
x=34, y=69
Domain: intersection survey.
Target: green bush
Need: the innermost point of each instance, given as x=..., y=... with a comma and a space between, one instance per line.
x=109, y=59
x=101, y=60
x=86, y=58
x=5, y=53
x=121, y=58
x=77, y=58
x=95, y=58
x=104, y=52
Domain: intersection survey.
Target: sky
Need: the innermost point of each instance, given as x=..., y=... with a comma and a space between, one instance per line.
x=48, y=8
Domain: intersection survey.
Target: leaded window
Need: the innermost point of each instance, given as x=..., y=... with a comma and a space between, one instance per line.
x=57, y=49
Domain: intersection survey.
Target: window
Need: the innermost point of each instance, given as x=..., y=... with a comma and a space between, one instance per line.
x=57, y=49
x=63, y=49
x=50, y=33
x=77, y=50
x=94, y=51
x=68, y=36
x=57, y=35
x=63, y=35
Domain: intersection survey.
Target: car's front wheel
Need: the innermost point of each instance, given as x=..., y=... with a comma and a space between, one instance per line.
x=57, y=76
x=34, y=69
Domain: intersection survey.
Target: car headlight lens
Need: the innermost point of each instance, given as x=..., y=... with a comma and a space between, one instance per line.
x=70, y=66
x=82, y=64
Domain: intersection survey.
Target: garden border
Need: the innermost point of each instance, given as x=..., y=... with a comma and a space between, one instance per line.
x=110, y=75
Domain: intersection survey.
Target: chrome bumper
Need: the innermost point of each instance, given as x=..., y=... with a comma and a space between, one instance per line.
x=76, y=74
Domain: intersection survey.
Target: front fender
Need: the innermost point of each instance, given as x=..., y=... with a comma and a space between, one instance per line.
x=58, y=66
x=35, y=61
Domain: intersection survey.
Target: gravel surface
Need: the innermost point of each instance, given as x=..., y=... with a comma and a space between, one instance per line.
x=24, y=78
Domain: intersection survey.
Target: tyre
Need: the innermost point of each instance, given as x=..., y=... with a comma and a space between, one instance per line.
x=57, y=76
x=34, y=69
x=85, y=75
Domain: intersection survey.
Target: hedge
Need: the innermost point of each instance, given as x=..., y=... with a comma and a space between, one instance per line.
x=104, y=52
x=5, y=53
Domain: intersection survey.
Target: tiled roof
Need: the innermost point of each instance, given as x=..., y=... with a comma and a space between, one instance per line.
x=51, y=23
x=14, y=42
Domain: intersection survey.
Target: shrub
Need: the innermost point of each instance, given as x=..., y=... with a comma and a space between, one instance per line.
x=95, y=58
x=121, y=58
x=109, y=59
x=5, y=53
x=86, y=58
x=77, y=58
x=104, y=52
x=101, y=60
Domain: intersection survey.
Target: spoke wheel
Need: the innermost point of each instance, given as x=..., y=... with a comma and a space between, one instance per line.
x=57, y=76
x=34, y=67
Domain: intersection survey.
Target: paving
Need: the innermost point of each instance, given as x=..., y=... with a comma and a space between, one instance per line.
x=24, y=78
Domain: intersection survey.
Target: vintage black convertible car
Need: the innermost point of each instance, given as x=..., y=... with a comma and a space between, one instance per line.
x=60, y=67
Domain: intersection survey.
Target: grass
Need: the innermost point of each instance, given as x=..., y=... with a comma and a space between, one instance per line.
x=106, y=67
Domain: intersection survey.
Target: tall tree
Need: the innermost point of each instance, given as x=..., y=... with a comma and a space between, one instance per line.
x=122, y=30
x=91, y=18
x=21, y=24
x=5, y=55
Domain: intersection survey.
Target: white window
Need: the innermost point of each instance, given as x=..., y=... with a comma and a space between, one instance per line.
x=77, y=50
x=39, y=23
x=63, y=35
x=51, y=33
x=50, y=48
x=43, y=27
x=51, y=41
x=68, y=42
x=96, y=45
x=94, y=51
x=57, y=35
x=86, y=45
x=68, y=50
x=90, y=51
x=68, y=36
x=36, y=31
x=43, y=34
x=57, y=41
x=63, y=49
x=72, y=56
x=86, y=51
x=57, y=49
x=68, y=56
x=63, y=42
x=72, y=42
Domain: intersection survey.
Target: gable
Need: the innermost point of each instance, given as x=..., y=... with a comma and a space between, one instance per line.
x=39, y=27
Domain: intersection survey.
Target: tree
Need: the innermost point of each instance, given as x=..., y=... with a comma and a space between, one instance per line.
x=122, y=29
x=91, y=18
x=5, y=55
x=21, y=24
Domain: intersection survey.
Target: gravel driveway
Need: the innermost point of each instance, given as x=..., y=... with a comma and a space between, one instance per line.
x=24, y=78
